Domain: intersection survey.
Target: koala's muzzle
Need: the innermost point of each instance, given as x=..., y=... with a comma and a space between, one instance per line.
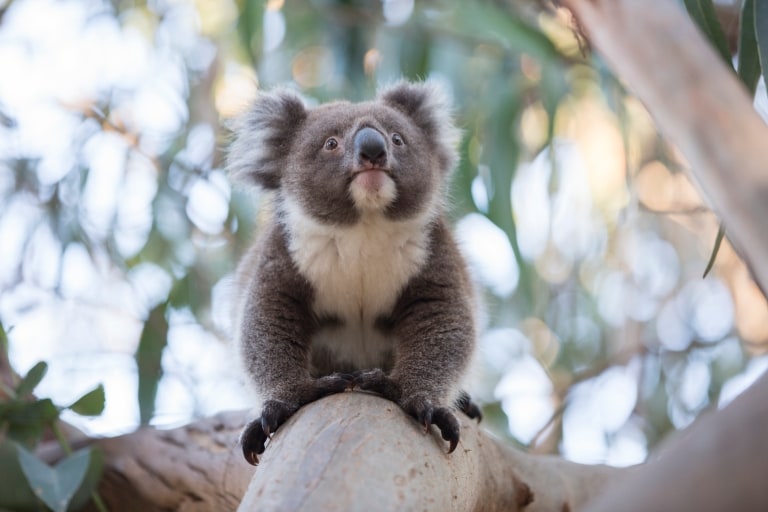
x=370, y=148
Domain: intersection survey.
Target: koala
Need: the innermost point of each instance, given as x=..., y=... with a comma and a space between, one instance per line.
x=355, y=281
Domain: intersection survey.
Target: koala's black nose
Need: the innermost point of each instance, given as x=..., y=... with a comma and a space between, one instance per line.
x=370, y=147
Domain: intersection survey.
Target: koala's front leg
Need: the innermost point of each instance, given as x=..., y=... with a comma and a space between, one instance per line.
x=275, y=412
x=435, y=342
x=274, y=341
x=434, y=328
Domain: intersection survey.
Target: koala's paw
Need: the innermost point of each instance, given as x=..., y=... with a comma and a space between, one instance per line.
x=378, y=382
x=275, y=412
x=255, y=434
x=468, y=407
x=424, y=411
x=332, y=384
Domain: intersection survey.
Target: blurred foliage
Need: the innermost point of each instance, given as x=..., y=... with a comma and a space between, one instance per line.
x=525, y=86
x=27, y=481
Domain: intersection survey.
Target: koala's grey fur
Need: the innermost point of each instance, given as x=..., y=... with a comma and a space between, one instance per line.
x=356, y=281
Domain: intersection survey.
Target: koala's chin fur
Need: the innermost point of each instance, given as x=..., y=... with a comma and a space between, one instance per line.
x=356, y=282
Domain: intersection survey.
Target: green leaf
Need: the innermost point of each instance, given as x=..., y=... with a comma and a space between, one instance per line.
x=26, y=420
x=90, y=481
x=91, y=403
x=553, y=88
x=249, y=26
x=487, y=22
x=32, y=379
x=503, y=154
x=703, y=13
x=149, y=360
x=55, y=486
x=15, y=493
x=3, y=340
x=5, y=364
x=761, y=34
x=749, y=60
x=715, y=249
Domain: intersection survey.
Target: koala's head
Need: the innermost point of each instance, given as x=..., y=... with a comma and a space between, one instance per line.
x=340, y=161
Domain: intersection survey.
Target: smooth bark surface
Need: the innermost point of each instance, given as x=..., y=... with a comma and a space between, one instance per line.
x=357, y=451
x=198, y=467
x=718, y=464
x=352, y=451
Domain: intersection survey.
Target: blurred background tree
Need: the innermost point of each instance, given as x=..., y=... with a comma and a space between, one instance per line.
x=119, y=229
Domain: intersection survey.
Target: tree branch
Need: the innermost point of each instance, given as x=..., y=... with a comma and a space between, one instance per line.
x=718, y=464
x=334, y=455
x=197, y=467
x=358, y=448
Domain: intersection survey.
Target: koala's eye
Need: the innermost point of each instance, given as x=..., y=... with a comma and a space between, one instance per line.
x=397, y=140
x=331, y=144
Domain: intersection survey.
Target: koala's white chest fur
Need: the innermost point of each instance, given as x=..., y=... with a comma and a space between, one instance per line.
x=357, y=273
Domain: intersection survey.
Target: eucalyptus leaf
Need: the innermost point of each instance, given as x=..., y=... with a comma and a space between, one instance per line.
x=54, y=485
x=149, y=360
x=91, y=403
x=15, y=493
x=32, y=379
x=715, y=250
x=3, y=339
x=553, y=89
x=502, y=157
x=26, y=420
x=484, y=21
x=90, y=481
x=249, y=26
x=748, y=66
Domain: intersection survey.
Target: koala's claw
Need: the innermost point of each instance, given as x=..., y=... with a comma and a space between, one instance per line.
x=468, y=407
x=275, y=413
x=252, y=441
x=426, y=414
x=444, y=419
x=256, y=433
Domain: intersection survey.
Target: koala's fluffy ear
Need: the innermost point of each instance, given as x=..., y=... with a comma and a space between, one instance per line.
x=263, y=137
x=429, y=106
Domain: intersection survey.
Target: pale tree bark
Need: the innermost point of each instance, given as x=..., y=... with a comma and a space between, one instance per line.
x=699, y=105
x=195, y=468
x=360, y=452
x=352, y=451
x=719, y=464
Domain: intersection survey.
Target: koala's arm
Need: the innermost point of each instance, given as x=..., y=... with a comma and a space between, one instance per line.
x=275, y=331
x=434, y=325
